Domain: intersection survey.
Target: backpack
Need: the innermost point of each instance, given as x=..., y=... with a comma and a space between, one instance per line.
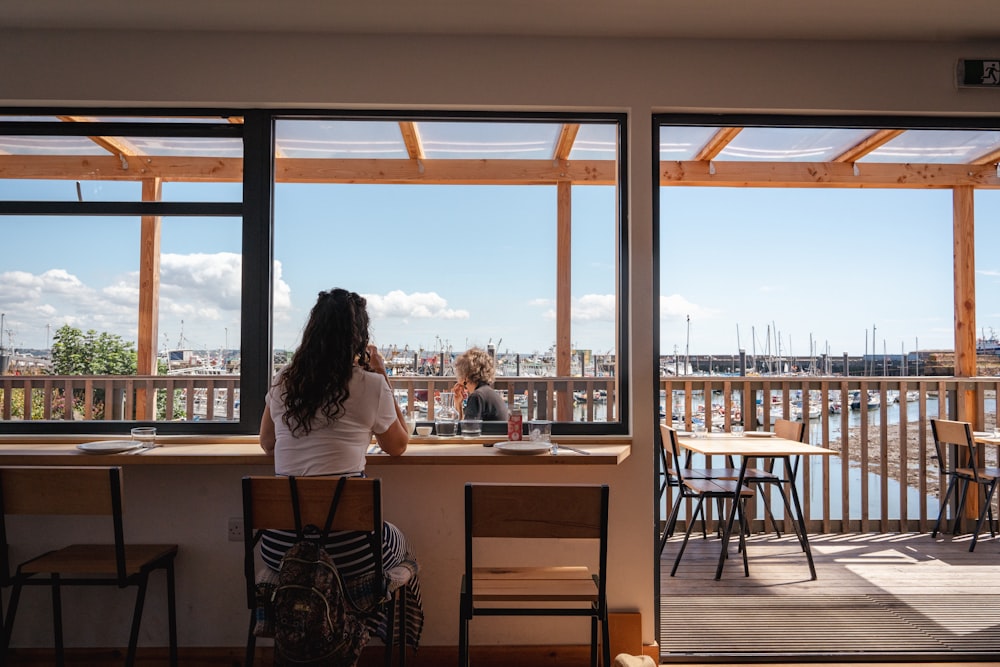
x=313, y=621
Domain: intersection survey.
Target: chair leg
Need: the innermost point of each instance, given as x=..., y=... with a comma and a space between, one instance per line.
x=605, y=640
x=687, y=535
x=251, y=640
x=8, y=625
x=982, y=515
x=390, y=619
x=57, y=620
x=593, y=641
x=944, y=506
x=961, y=507
x=463, y=627
x=171, y=614
x=668, y=527
x=133, y=638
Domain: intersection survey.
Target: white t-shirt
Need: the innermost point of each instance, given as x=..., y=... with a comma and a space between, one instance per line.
x=338, y=447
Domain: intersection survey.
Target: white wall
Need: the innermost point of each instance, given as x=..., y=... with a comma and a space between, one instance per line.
x=639, y=77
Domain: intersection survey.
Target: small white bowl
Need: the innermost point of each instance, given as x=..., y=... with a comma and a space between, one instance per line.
x=424, y=430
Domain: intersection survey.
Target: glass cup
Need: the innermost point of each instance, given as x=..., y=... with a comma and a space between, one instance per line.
x=144, y=436
x=699, y=430
x=471, y=427
x=540, y=430
x=736, y=429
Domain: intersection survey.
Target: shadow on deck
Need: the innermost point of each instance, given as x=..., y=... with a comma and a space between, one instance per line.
x=878, y=597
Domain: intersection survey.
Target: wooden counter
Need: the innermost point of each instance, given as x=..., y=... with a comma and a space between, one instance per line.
x=245, y=450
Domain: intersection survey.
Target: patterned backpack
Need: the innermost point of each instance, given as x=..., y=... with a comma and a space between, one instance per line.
x=313, y=621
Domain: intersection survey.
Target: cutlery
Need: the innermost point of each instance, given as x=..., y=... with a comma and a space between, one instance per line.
x=555, y=449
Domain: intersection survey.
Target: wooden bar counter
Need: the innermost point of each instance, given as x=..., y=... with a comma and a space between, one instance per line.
x=62, y=450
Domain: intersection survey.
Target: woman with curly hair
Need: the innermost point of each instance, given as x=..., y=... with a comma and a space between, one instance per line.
x=476, y=373
x=319, y=418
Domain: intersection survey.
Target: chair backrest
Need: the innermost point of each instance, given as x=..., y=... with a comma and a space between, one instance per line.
x=789, y=430
x=267, y=503
x=947, y=432
x=670, y=454
x=533, y=511
x=69, y=490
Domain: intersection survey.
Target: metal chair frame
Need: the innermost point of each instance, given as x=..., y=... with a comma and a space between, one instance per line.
x=80, y=491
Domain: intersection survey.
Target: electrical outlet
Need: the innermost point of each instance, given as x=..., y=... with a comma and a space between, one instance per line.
x=235, y=529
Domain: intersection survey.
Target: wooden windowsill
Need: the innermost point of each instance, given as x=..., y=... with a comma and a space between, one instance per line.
x=245, y=450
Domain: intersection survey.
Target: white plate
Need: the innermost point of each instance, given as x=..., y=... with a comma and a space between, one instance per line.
x=523, y=447
x=108, y=446
x=685, y=434
x=983, y=434
x=758, y=434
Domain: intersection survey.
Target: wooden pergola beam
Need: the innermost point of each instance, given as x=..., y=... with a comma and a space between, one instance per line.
x=826, y=174
x=866, y=146
x=315, y=170
x=411, y=139
x=717, y=143
x=114, y=145
x=564, y=144
x=504, y=172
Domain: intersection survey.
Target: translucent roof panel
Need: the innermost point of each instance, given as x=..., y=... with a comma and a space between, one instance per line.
x=595, y=142
x=683, y=143
x=312, y=138
x=187, y=146
x=936, y=146
x=490, y=140
x=30, y=145
x=791, y=144
x=151, y=146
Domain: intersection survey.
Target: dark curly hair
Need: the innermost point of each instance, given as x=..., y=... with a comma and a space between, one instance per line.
x=317, y=379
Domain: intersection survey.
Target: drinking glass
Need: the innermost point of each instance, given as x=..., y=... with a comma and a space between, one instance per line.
x=699, y=430
x=736, y=429
x=540, y=430
x=471, y=427
x=144, y=436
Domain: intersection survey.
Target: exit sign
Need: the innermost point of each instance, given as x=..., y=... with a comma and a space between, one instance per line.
x=979, y=73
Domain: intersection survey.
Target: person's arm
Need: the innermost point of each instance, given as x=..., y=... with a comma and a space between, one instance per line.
x=267, y=435
x=395, y=439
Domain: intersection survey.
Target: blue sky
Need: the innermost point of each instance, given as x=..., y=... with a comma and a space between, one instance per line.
x=469, y=265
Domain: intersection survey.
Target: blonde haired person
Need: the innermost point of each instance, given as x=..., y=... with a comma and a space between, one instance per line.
x=475, y=397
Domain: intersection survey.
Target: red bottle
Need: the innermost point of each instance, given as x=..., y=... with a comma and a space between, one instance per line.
x=514, y=425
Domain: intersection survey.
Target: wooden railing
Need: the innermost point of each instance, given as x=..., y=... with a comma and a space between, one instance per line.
x=217, y=397
x=891, y=480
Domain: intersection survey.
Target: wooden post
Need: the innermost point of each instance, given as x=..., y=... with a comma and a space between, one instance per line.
x=963, y=213
x=564, y=307
x=149, y=296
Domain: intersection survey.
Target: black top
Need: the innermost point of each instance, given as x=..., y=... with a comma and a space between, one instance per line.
x=486, y=404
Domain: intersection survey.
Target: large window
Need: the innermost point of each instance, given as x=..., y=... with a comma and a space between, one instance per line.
x=499, y=233
x=160, y=266
x=121, y=280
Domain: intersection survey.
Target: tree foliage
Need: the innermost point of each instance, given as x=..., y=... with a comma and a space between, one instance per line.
x=91, y=353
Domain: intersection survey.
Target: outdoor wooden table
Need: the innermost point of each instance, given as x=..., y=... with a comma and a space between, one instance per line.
x=750, y=447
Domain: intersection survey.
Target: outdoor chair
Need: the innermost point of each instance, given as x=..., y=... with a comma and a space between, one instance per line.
x=79, y=491
x=556, y=588
x=275, y=502
x=963, y=469
x=700, y=490
x=758, y=478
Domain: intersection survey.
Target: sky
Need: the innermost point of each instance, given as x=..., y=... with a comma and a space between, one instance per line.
x=456, y=266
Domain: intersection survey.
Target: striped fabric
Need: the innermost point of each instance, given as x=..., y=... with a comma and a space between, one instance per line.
x=352, y=555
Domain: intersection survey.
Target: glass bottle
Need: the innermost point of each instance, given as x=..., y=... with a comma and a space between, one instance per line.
x=446, y=417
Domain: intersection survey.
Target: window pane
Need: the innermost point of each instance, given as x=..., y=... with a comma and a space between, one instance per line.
x=448, y=266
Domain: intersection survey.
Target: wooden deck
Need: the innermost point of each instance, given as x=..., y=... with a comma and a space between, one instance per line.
x=878, y=597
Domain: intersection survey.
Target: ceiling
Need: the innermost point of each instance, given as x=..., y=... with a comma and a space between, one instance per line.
x=918, y=20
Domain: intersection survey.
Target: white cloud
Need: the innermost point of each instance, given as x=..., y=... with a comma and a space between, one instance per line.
x=594, y=307
x=677, y=306
x=418, y=305
x=201, y=289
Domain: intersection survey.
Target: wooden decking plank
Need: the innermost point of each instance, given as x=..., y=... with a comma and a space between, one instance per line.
x=876, y=595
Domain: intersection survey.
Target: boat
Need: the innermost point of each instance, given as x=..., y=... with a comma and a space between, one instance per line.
x=988, y=344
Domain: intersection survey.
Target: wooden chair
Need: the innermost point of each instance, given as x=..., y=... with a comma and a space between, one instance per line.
x=536, y=511
x=700, y=490
x=962, y=470
x=268, y=503
x=46, y=491
x=758, y=478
